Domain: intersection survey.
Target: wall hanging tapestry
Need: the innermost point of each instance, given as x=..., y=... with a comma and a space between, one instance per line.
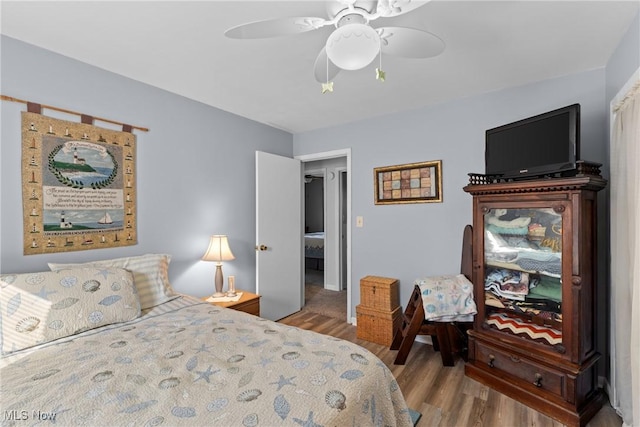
x=410, y=183
x=78, y=185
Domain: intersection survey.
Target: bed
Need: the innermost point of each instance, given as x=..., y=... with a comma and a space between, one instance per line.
x=314, y=246
x=172, y=359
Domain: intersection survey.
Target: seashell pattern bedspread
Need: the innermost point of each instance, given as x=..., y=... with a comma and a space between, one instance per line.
x=190, y=363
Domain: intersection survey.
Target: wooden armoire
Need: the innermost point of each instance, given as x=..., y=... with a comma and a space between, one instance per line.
x=534, y=275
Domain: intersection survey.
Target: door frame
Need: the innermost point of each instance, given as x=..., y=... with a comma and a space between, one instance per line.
x=342, y=210
x=346, y=152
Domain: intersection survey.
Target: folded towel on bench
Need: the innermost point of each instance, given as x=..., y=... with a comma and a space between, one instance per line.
x=447, y=298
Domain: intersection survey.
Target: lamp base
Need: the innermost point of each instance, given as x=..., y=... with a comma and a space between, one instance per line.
x=218, y=294
x=231, y=294
x=219, y=281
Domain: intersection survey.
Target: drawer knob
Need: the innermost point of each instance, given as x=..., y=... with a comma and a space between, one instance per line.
x=492, y=358
x=538, y=381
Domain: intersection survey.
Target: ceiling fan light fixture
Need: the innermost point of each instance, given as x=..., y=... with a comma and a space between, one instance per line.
x=353, y=46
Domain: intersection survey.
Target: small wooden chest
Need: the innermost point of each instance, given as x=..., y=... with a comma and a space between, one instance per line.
x=380, y=293
x=377, y=326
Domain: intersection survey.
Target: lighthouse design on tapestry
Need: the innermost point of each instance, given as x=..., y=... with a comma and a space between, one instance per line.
x=77, y=160
x=63, y=223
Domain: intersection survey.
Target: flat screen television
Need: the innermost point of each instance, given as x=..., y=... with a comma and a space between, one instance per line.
x=546, y=144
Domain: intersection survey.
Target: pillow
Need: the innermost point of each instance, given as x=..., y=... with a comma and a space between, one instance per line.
x=150, y=274
x=447, y=298
x=40, y=307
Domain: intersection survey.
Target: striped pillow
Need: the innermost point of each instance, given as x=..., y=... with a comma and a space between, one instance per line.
x=150, y=274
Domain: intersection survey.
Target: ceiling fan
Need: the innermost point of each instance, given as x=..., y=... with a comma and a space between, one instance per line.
x=354, y=43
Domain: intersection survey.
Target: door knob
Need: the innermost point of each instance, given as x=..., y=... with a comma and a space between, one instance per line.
x=261, y=248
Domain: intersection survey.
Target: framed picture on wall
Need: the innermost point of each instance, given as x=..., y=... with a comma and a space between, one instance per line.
x=408, y=183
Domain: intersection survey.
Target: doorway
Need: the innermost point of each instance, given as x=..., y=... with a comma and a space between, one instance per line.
x=336, y=268
x=314, y=226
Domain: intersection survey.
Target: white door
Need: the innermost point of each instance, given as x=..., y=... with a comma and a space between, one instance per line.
x=278, y=235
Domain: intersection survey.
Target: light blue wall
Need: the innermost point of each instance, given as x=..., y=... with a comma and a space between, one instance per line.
x=195, y=166
x=625, y=60
x=416, y=240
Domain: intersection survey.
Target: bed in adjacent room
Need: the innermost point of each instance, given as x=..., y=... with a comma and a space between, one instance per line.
x=314, y=246
x=95, y=344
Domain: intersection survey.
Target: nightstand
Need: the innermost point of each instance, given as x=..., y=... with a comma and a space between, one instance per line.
x=248, y=302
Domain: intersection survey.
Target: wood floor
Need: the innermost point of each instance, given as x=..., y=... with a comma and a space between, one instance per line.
x=444, y=395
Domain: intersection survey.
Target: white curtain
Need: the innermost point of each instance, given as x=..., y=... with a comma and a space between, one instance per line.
x=625, y=257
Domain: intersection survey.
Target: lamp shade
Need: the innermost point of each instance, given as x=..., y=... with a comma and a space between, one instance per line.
x=353, y=46
x=218, y=249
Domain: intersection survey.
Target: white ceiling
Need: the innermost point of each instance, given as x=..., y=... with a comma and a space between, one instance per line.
x=179, y=46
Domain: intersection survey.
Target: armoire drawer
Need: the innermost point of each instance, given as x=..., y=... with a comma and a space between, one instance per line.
x=521, y=368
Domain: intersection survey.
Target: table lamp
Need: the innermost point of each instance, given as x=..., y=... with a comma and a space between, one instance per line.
x=218, y=251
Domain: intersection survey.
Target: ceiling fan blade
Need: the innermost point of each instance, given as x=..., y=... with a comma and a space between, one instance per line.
x=409, y=42
x=320, y=68
x=390, y=8
x=275, y=27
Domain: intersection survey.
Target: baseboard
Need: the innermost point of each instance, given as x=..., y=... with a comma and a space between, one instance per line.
x=604, y=384
x=330, y=287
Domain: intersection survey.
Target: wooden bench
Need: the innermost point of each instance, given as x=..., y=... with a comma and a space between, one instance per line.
x=449, y=338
